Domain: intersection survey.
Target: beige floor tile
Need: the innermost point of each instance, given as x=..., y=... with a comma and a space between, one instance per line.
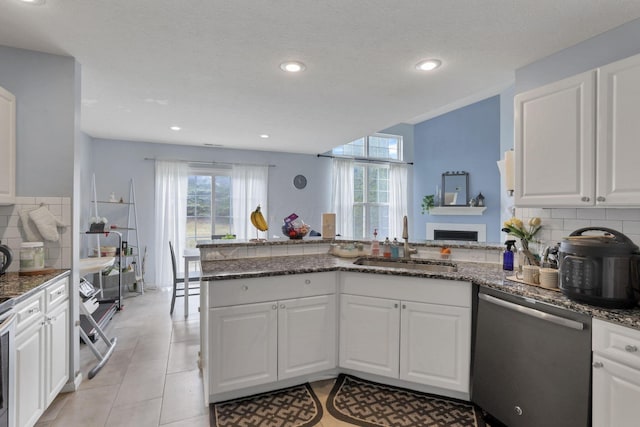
x=55, y=408
x=183, y=397
x=183, y=356
x=153, y=347
x=201, y=421
x=88, y=407
x=139, y=414
x=186, y=331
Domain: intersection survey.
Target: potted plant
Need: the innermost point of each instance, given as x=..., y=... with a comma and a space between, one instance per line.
x=427, y=203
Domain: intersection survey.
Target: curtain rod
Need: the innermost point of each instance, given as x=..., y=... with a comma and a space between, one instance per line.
x=202, y=162
x=361, y=159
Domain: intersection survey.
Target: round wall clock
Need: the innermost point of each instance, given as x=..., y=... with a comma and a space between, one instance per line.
x=300, y=181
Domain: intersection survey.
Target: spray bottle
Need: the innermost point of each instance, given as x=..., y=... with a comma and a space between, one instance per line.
x=507, y=256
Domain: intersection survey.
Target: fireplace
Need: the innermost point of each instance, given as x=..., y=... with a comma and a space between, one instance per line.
x=460, y=232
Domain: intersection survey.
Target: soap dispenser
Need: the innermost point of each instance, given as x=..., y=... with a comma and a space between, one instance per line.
x=395, y=248
x=375, y=245
x=507, y=256
x=386, y=248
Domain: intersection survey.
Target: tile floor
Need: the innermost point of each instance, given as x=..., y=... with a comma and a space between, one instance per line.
x=152, y=378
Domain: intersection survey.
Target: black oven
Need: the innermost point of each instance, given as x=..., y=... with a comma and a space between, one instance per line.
x=7, y=368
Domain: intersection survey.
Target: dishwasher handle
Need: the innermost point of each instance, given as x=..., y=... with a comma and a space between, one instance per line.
x=533, y=312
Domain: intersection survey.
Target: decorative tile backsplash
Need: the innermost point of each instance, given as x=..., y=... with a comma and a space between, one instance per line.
x=12, y=233
x=558, y=223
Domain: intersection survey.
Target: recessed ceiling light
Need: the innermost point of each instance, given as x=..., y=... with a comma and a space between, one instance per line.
x=428, y=64
x=264, y=135
x=34, y=2
x=175, y=128
x=292, y=66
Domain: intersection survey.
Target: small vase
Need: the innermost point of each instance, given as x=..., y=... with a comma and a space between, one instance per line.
x=529, y=258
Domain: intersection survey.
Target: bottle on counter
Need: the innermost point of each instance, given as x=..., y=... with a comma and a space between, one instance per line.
x=386, y=248
x=507, y=256
x=375, y=245
x=395, y=248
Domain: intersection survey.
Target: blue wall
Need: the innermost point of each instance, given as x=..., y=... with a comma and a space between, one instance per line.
x=465, y=139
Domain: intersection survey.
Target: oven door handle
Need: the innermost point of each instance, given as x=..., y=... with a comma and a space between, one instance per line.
x=6, y=323
x=533, y=312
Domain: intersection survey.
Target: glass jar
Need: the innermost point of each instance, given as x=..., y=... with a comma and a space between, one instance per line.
x=31, y=256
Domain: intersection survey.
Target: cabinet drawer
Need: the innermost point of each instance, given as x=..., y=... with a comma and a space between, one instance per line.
x=245, y=291
x=616, y=342
x=435, y=291
x=29, y=311
x=56, y=293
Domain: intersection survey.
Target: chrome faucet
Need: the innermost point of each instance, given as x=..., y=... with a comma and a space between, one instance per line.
x=405, y=235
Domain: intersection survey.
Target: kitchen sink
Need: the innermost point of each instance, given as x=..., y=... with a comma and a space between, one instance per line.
x=411, y=264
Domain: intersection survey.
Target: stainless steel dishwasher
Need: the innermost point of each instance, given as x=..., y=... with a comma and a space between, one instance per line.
x=532, y=362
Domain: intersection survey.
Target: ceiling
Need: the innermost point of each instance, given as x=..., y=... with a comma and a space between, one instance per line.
x=212, y=67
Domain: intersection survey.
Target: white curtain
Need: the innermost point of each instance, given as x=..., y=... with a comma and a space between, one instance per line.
x=342, y=196
x=397, y=198
x=171, y=217
x=249, y=188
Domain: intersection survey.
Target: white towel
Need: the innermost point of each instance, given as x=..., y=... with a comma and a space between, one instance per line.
x=47, y=223
x=30, y=230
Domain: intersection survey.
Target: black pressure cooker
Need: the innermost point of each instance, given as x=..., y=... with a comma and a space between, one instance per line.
x=600, y=269
x=5, y=258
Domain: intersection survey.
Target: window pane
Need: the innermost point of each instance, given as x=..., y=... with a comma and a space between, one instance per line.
x=377, y=184
x=222, y=203
x=358, y=184
x=352, y=149
x=358, y=222
x=384, y=147
x=379, y=218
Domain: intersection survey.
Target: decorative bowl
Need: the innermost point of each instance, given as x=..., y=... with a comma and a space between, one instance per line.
x=295, y=233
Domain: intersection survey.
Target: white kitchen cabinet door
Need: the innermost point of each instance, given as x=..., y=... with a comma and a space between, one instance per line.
x=30, y=366
x=618, y=133
x=616, y=393
x=57, y=354
x=435, y=345
x=370, y=334
x=555, y=143
x=243, y=346
x=7, y=147
x=306, y=335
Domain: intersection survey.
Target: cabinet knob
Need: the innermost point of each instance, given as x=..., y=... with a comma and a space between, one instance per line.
x=307, y=282
x=631, y=348
x=585, y=199
x=518, y=410
x=404, y=306
x=597, y=364
x=395, y=305
x=282, y=306
x=245, y=288
x=274, y=307
x=601, y=199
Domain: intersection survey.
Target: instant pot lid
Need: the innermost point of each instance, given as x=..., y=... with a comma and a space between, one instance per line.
x=608, y=243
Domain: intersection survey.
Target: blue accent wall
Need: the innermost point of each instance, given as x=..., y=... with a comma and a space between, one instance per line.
x=467, y=139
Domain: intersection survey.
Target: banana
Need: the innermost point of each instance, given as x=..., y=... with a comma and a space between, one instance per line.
x=258, y=221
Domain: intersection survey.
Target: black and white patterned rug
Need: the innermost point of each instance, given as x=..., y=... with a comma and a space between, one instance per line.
x=290, y=407
x=368, y=404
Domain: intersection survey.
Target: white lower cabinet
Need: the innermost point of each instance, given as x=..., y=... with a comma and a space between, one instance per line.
x=42, y=350
x=414, y=341
x=254, y=343
x=616, y=375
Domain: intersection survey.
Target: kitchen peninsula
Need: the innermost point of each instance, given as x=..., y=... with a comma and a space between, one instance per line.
x=251, y=305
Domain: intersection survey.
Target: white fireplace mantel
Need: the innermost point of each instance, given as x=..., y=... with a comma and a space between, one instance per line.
x=458, y=210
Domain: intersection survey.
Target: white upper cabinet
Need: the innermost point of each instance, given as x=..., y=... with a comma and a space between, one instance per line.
x=576, y=140
x=7, y=147
x=618, y=178
x=555, y=143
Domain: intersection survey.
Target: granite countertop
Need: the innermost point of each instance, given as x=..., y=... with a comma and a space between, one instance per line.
x=222, y=243
x=482, y=274
x=17, y=287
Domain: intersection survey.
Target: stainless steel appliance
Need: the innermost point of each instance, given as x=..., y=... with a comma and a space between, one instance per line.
x=532, y=362
x=7, y=364
x=5, y=258
x=601, y=269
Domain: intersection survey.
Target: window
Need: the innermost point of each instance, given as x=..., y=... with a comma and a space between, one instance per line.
x=371, y=200
x=378, y=146
x=208, y=205
x=376, y=185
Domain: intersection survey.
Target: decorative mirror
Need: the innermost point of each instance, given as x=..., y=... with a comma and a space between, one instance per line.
x=455, y=189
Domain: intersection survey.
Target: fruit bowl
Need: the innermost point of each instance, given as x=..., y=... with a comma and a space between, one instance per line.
x=295, y=233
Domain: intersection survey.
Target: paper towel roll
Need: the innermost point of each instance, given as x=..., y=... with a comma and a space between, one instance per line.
x=509, y=170
x=328, y=225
